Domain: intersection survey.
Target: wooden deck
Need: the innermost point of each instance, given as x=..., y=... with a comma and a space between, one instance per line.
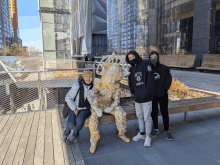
x=35, y=138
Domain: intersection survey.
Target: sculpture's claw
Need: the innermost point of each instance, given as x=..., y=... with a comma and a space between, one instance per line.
x=123, y=137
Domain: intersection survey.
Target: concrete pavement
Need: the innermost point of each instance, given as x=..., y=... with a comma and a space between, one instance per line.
x=196, y=141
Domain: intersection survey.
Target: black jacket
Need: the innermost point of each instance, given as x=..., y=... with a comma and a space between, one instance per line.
x=141, y=79
x=163, y=78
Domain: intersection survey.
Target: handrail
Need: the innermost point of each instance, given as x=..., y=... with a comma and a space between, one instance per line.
x=3, y=65
x=30, y=71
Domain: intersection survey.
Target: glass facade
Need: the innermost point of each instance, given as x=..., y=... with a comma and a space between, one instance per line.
x=55, y=18
x=167, y=26
x=215, y=28
x=99, y=44
x=5, y=27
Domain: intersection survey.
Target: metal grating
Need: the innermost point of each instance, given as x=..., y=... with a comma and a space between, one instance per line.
x=35, y=90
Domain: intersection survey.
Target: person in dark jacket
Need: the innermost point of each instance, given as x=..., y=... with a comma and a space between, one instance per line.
x=86, y=58
x=141, y=84
x=163, y=80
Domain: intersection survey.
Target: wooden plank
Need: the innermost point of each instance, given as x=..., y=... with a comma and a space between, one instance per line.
x=1, y=118
x=190, y=59
x=48, y=155
x=173, y=60
x=39, y=151
x=15, y=141
x=6, y=127
x=208, y=60
x=8, y=137
x=58, y=152
x=68, y=155
x=29, y=155
x=175, y=66
x=161, y=59
x=19, y=155
x=194, y=107
x=216, y=65
x=3, y=122
x=208, y=68
x=167, y=59
x=174, y=107
x=181, y=60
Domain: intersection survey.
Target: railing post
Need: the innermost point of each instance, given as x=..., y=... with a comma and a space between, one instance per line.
x=39, y=91
x=185, y=117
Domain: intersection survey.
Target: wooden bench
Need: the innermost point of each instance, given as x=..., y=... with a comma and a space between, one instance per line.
x=178, y=61
x=174, y=107
x=210, y=62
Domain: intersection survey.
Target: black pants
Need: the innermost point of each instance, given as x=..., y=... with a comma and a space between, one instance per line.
x=163, y=101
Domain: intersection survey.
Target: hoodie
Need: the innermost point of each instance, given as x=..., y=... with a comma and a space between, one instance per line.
x=163, y=78
x=141, y=79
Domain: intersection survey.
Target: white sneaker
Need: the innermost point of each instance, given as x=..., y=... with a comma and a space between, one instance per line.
x=147, y=142
x=138, y=137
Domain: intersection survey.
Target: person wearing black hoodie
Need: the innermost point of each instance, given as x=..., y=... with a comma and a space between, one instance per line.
x=163, y=80
x=141, y=84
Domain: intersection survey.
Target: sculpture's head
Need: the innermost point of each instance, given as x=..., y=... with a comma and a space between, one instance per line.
x=112, y=73
x=113, y=68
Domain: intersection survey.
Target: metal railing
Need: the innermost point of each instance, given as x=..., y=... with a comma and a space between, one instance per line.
x=38, y=63
x=37, y=89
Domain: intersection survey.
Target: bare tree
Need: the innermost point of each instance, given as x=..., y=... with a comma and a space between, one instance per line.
x=5, y=51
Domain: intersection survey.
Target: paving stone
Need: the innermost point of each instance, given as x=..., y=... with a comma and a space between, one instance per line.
x=195, y=141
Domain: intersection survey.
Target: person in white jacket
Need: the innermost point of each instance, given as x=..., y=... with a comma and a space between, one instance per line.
x=80, y=107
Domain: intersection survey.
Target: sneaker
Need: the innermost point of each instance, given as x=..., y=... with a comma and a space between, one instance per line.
x=168, y=135
x=138, y=137
x=154, y=133
x=65, y=135
x=147, y=142
x=71, y=138
x=63, y=140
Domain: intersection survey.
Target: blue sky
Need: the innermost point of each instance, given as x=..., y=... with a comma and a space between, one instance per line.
x=29, y=23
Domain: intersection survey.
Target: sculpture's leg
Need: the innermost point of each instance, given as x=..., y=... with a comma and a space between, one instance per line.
x=94, y=132
x=121, y=123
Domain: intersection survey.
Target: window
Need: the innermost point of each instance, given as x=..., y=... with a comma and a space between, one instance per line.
x=173, y=27
x=177, y=26
x=168, y=28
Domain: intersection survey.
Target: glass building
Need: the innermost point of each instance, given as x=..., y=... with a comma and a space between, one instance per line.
x=5, y=28
x=55, y=21
x=167, y=26
x=89, y=27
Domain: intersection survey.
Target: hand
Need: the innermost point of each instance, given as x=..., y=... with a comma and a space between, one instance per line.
x=108, y=110
x=76, y=111
x=99, y=112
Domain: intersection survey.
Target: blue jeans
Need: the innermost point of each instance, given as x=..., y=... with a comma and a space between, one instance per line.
x=76, y=122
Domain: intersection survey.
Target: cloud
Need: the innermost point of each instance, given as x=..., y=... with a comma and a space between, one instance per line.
x=32, y=37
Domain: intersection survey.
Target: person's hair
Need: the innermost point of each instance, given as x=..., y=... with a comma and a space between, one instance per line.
x=88, y=71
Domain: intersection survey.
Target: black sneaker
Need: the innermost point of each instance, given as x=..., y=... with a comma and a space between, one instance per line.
x=154, y=133
x=168, y=135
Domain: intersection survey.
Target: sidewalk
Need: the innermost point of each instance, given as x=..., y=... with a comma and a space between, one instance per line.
x=196, y=141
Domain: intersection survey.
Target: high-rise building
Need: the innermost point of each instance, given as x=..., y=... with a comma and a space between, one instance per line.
x=168, y=26
x=5, y=28
x=14, y=18
x=89, y=27
x=55, y=22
